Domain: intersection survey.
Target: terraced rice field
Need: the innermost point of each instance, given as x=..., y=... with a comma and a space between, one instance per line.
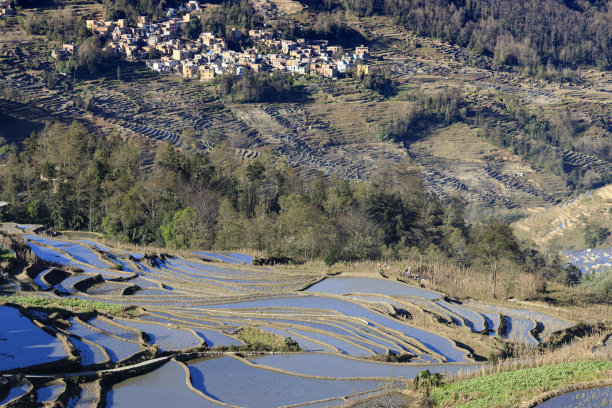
x=202, y=301
x=595, y=398
x=90, y=352
x=23, y=343
x=49, y=391
x=590, y=260
x=116, y=348
x=166, y=338
x=155, y=389
x=334, y=366
x=14, y=393
x=266, y=388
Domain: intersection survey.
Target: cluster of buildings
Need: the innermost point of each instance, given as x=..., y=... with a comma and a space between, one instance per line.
x=6, y=9
x=208, y=56
x=162, y=46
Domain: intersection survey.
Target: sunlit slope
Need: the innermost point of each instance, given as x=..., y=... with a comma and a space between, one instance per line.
x=562, y=227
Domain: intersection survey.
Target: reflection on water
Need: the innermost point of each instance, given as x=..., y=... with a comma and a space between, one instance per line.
x=595, y=398
x=49, y=391
x=341, y=286
x=231, y=381
x=161, y=388
x=328, y=365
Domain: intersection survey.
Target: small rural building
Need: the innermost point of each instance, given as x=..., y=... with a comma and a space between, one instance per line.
x=207, y=73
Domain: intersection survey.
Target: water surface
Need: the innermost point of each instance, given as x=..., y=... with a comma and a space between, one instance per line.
x=329, y=365
x=341, y=286
x=595, y=398
x=162, y=388
x=433, y=342
x=49, y=391
x=15, y=392
x=231, y=381
x=23, y=343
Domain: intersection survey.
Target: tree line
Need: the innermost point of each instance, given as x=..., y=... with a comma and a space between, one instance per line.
x=67, y=178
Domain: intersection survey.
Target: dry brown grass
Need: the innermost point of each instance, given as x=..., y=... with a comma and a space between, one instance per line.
x=455, y=281
x=153, y=249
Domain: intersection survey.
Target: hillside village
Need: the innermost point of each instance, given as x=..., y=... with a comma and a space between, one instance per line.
x=164, y=49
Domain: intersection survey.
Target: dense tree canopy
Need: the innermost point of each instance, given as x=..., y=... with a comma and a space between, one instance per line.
x=67, y=178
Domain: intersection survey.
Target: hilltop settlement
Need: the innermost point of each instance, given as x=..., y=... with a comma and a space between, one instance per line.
x=165, y=49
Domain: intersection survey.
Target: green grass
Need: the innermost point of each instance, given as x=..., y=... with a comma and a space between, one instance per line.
x=509, y=389
x=257, y=339
x=66, y=304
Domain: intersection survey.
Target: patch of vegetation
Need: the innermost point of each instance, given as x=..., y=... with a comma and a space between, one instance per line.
x=595, y=235
x=6, y=254
x=428, y=109
x=235, y=14
x=65, y=304
x=333, y=28
x=566, y=336
x=391, y=357
x=258, y=87
x=131, y=9
x=60, y=27
x=427, y=380
x=599, y=282
x=509, y=389
x=380, y=82
x=259, y=340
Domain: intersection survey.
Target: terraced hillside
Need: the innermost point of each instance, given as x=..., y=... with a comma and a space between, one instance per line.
x=562, y=227
x=455, y=158
x=197, y=304
x=335, y=128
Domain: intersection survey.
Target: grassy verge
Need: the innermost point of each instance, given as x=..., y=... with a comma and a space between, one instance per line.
x=258, y=340
x=64, y=304
x=509, y=389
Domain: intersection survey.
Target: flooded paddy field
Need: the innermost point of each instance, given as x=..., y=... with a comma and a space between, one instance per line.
x=155, y=389
x=217, y=378
x=594, y=398
x=193, y=326
x=23, y=343
x=14, y=392
x=116, y=348
x=50, y=391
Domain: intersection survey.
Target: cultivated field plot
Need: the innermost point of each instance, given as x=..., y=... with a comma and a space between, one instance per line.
x=190, y=304
x=455, y=158
x=334, y=138
x=590, y=260
x=24, y=344
x=598, y=397
x=563, y=226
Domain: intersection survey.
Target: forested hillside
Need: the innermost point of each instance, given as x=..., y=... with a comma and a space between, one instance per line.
x=67, y=178
x=528, y=33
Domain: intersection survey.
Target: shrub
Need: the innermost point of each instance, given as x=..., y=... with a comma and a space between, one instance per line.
x=331, y=258
x=6, y=254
